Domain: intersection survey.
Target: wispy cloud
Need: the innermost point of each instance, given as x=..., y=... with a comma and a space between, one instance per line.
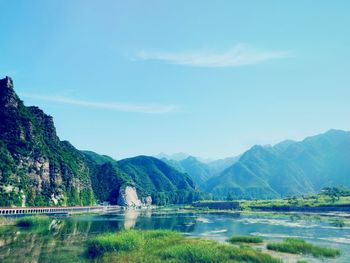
x=117, y=106
x=239, y=55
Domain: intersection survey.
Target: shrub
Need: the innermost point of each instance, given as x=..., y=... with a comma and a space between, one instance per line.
x=245, y=239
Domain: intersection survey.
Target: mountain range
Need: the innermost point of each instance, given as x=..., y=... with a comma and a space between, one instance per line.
x=37, y=168
x=200, y=171
x=289, y=168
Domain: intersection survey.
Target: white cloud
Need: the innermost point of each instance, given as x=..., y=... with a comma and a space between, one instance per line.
x=117, y=106
x=237, y=56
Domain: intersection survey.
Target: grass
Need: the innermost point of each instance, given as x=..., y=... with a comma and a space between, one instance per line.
x=245, y=239
x=306, y=201
x=4, y=221
x=300, y=246
x=31, y=221
x=168, y=246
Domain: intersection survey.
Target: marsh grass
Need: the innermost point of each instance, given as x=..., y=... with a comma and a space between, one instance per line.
x=245, y=239
x=337, y=223
x=300, y=246
x=168, y=246
x=31, y=221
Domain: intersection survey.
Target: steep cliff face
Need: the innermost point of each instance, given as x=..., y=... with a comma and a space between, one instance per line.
x=36, y=167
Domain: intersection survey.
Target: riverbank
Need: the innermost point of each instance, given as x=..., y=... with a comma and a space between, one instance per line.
x=311, y=209
x=328, y=200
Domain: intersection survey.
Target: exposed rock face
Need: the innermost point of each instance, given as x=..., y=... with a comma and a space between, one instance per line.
x=128, y=197
x=147, y=201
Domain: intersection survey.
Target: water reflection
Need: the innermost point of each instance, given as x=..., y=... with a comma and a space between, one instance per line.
x=62, y=239
x=130, y=218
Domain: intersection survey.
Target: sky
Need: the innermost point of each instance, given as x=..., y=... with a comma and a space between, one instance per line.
x=209, y=78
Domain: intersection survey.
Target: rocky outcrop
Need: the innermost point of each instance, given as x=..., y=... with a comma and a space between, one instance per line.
x=128, y=197
x=147, y=201
x=8, y=98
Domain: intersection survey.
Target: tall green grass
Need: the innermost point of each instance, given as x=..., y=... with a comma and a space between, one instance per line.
x=168, y=246
x=300, y=246
x=245, y=239
x=31, y=221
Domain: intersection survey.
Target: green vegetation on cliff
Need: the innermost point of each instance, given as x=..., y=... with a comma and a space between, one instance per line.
x=37, y=169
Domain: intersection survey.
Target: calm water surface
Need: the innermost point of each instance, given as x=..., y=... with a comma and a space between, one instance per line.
x=63, y=239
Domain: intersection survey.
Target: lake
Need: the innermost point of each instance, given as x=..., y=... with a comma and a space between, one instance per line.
x=62, y=239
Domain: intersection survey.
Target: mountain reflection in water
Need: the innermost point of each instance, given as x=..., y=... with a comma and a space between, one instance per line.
x=63, y=239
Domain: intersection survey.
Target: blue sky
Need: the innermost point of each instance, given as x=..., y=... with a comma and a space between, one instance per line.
x=210, y=78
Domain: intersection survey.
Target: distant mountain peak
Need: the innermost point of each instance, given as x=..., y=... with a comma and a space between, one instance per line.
x=175, y=156
x=336, y=132
x=191, y=158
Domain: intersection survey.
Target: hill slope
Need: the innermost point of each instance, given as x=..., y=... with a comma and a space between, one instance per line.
x=162, y=182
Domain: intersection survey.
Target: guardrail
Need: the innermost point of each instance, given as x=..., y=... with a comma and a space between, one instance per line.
x=54, y=210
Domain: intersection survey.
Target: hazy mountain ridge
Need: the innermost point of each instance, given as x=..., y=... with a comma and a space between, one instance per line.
x=199, y=171
x=288, y=168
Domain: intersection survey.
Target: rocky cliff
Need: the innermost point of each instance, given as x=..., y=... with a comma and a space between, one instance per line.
x=36, y=168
